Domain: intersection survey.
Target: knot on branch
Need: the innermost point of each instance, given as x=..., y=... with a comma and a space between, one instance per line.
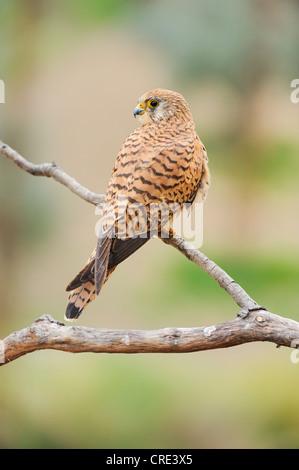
x=172, y=337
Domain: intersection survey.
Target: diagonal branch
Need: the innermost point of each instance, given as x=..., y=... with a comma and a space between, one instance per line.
x=211, y=268
x=51, y=170
x=237, y=292
x=47, y=333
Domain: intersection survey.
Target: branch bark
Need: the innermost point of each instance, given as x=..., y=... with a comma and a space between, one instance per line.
x=47, y=333
x=253, y=323
x=237, y=292
x=51, y=170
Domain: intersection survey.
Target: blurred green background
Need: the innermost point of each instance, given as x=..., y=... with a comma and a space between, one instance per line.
x=73, y=71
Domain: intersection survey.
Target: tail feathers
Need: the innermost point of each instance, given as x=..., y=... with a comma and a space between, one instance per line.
x=89, y=281
x=99, y=267
x=79, y=299
x=101, y=262
x=86, y=274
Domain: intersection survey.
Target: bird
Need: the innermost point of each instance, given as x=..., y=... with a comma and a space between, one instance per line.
x=162, y=164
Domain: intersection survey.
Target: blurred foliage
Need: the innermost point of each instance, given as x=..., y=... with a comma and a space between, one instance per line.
x=233, y=53
x=98, y=11
x=268, y=162
x=237, y=41
x=264, y=277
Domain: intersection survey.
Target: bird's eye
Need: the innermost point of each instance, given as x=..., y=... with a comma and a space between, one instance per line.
x=153, y=103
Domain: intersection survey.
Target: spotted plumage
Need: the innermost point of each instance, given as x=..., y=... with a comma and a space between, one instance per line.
x=161, y=166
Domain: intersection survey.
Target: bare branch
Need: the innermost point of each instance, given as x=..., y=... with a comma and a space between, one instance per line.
x=253, y=322
x=46, y=333
x=51, y=170
x=237, y=292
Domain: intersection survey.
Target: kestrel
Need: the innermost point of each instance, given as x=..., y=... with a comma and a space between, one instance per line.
x=162, y=164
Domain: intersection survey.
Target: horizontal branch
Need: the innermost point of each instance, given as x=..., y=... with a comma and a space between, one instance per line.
x=51, y=170
x=253, y=323
x=47, y=333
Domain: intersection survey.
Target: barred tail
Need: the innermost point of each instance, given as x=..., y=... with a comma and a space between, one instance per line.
x=79, y=298
x=99, y=267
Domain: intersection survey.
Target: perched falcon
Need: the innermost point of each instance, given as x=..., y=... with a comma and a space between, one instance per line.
x=162, y=164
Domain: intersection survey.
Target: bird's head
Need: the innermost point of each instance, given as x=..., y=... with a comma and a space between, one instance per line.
x=160, y=104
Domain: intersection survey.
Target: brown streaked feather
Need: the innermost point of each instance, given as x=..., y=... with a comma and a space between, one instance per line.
x=78, y=299
x=161, y=162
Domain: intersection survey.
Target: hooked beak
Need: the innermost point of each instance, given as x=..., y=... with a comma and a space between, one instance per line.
x=139, y=110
